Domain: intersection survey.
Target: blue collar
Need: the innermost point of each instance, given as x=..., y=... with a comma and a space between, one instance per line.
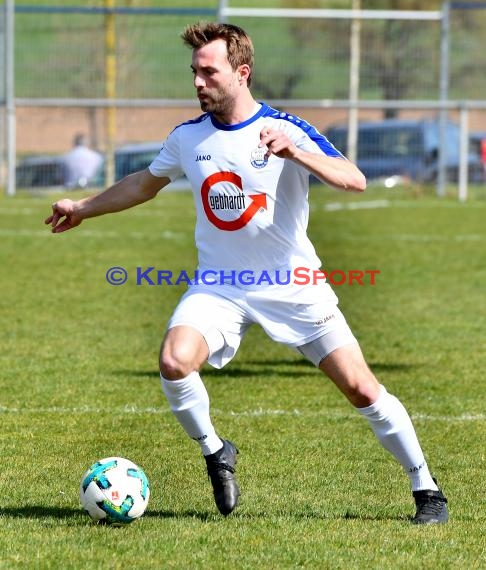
x=263, y=109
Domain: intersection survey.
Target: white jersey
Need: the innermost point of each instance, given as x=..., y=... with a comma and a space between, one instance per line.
x=252, y=213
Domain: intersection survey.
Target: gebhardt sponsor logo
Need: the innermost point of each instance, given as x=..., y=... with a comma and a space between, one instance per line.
x=225, y=202
x=246, y=205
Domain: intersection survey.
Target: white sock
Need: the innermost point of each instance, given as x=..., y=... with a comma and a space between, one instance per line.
x=189, y=401
x=394, y=429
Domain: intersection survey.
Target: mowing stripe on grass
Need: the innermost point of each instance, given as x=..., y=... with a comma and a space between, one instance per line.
x=17, y=211
x=258, y=412
x=370, y=205
x=436, y=238
x=166, y=234
x=29, y=211
x=384, y=203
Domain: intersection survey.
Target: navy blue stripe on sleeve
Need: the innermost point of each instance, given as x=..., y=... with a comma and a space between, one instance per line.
x=322, y=142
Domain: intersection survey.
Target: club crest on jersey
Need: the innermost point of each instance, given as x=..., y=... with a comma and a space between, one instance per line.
x=257, y=157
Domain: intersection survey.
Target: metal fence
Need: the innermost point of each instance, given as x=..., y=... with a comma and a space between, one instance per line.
x=121, y=74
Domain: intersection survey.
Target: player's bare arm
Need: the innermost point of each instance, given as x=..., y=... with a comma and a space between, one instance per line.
x=337, y=172
x=132, y=190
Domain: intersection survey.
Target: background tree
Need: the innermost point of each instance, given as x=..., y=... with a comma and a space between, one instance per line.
x=400, y=59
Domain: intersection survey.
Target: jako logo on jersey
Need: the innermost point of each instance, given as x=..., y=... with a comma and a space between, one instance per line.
x=201, y=157
x=257, y=157
x=219, y=202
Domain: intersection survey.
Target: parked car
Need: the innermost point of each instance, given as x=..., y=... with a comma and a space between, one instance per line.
x=48, y=171
x=133, y=157
x=45, y=171
x=40, y=172
x=406, y=148
x=137, y=156
x=477, y=144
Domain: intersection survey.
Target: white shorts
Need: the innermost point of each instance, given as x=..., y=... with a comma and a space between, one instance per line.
x=294, y=315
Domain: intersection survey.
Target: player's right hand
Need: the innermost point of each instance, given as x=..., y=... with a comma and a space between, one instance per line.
x=63, y=216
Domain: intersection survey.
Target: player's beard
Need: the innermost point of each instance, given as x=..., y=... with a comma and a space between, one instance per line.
x=219, y=102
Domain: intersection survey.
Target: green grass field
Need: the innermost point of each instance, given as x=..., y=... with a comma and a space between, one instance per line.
x=79, y=381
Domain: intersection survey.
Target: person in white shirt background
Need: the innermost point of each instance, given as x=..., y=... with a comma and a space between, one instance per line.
x=81, y=163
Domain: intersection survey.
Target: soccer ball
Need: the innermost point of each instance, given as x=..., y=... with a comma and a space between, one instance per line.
x=115, y=491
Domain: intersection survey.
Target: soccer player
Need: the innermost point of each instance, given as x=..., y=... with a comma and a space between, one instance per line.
x=249, y=165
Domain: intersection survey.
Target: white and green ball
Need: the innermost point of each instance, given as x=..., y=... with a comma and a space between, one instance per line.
x=114, y=490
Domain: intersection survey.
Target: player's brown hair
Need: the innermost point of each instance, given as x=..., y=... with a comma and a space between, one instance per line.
x=238, y=43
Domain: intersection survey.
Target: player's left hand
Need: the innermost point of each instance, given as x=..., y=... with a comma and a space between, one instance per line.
x=277, y=143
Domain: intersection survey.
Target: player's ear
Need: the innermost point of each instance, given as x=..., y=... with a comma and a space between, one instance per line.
x=244, y=73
